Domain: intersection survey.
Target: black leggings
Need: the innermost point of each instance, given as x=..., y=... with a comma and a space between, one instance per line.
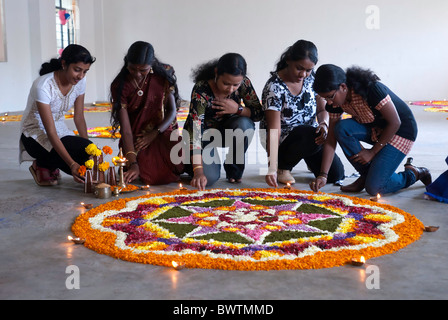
x=74, y=145
x=300, y=144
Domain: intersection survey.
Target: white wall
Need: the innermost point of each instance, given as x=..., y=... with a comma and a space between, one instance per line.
x=408, y=51
x=31, y=40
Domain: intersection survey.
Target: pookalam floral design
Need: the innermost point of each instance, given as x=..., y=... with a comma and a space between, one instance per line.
x=248, y=229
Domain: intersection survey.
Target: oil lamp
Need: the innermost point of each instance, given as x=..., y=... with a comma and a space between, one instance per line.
x=358, y=261
x=177, y=266
x=121, y=163
x=76, y=240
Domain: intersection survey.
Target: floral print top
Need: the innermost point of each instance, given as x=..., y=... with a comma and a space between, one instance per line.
x=202, y=116
x=294, y=110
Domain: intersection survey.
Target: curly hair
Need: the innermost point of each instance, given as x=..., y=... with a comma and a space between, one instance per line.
x=360, y=79
x=231, y=63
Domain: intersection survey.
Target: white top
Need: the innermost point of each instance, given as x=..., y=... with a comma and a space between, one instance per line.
x=45, y=90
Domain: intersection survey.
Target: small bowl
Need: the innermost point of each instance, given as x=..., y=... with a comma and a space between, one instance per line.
x=357, y=262
x=76, y=240
x=431, y=228
x=87, y=205
x=177, y=265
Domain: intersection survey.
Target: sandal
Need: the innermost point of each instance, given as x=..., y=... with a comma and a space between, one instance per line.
x=42, y=176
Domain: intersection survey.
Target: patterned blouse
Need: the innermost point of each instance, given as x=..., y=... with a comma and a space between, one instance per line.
x=295, y=110
x=202, y=116
x=367, y=112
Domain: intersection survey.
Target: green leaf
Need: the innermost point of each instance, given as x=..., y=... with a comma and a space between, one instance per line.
x=309, y=208
x=288, y=235
x=266, y=203
x=178, y=229
x=214, y=204
x=330, y=224
x=225, y=237
x=176, y=212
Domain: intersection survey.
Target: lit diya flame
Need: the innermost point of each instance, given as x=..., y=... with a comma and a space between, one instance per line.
x=358, y=262
x=177, y=266
x=376, y=199
x=288, y=186
x=181, y=187
x=145, y=187
x=76, y=240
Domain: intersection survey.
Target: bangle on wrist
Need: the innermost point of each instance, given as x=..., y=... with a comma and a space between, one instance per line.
x=323, y=174
x=240, y=110
x=197, y=167
x=71, y=166
x=132, y=152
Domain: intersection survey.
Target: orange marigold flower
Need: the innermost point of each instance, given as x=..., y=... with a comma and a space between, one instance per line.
x=82, y=171
x=107, y=150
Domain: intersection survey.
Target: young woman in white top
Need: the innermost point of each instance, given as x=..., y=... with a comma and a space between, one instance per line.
x=45, y=135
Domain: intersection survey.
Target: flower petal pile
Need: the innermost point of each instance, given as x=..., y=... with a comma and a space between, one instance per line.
x=247, y=229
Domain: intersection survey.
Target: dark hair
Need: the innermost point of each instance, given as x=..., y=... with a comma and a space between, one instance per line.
x=329, y=77
x=141, y=52
x=360, y=79
x=300, y=50
x=72, y=54
x=230, y=63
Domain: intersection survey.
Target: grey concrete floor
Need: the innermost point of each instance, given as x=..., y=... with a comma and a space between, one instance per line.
x=35, y=222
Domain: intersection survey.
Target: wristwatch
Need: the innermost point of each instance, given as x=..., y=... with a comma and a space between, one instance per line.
x=240, y=109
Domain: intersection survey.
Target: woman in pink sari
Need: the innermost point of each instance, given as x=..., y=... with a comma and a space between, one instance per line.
x=144, y=106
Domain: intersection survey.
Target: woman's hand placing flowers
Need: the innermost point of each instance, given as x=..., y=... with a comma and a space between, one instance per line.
x=318, y=183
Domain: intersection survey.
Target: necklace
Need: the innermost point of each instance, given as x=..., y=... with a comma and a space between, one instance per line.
x=140, y=91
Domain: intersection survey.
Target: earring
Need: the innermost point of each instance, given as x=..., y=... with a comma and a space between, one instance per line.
x=151, y=70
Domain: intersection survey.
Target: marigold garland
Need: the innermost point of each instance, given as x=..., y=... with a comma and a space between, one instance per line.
x=247, y=229
x=128, y=188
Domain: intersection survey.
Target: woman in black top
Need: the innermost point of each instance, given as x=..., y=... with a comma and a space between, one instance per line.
x=379, y=118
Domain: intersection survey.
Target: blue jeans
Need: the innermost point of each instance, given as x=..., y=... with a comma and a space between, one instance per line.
x=380, y=172
x=234, y=164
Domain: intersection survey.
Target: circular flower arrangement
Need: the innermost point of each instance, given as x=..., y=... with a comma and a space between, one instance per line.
x=248, y=229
